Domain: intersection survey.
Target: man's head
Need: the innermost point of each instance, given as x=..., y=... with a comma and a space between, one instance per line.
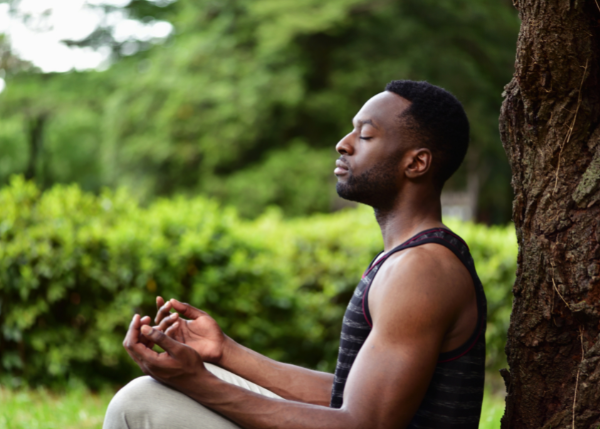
x=413, y=132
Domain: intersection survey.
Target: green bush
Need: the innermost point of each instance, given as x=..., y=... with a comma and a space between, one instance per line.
x=74, y=268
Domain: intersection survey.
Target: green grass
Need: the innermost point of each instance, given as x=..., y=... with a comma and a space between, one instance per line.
x=492, y=410
x=41, y=409
x=80, y=409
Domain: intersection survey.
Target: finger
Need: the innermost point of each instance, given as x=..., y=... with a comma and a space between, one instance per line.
x=172, y=347
x=132, y=335
x=163, y=312
x=159, y=302
x=145, y=341
x=173, y=332
x=167, y=322
x=136, y=350
x=186, y=310
x=132, y=339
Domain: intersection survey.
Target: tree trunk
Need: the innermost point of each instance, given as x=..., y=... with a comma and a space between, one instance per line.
x=550, y=128
x=36, y=140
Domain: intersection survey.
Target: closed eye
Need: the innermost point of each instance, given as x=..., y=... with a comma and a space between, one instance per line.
x=365, y=138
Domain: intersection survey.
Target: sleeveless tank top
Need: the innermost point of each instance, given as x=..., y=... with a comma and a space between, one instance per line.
x=455, y=393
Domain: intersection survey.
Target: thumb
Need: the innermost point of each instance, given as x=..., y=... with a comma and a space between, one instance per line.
x=187, y=310
x=168, y=344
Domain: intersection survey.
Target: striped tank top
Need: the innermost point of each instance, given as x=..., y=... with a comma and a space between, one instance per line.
x=455, y=393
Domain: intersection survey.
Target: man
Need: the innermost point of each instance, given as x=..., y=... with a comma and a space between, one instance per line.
x=412, y=347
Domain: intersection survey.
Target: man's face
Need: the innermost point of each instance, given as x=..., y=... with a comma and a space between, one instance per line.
x=368, y=169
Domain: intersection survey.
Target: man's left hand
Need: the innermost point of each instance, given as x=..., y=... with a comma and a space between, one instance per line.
x=179, y=366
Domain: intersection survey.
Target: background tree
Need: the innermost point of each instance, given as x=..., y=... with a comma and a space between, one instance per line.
x=246, y=100
x=550, y=126
x=263, y=77
x=51, y=127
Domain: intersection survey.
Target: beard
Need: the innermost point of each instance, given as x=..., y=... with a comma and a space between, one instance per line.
x=376, y=187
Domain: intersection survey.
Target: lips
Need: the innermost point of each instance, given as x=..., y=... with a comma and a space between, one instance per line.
x=341, y=168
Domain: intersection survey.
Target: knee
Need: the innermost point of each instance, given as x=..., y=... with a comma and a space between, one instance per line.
x=139, y=387
x=147, y=404
x=132, y=402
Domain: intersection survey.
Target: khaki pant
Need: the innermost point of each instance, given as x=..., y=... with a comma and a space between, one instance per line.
x=146, y=404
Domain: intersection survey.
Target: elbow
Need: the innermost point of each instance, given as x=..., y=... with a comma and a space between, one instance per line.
x=353, y=420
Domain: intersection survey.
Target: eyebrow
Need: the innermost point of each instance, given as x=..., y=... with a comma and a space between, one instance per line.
x=367, y=122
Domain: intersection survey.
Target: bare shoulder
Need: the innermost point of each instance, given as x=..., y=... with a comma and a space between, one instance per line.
x=427, y=283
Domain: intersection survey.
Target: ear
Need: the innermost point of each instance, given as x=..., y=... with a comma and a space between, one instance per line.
x=419, y=162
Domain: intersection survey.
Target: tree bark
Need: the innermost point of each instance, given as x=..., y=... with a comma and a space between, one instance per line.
x=550, y=129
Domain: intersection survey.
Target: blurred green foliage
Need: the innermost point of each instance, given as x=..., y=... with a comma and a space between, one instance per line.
x=246, y=99
x=74, y=267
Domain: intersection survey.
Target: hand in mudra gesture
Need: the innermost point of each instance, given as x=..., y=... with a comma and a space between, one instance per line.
x=198, y=330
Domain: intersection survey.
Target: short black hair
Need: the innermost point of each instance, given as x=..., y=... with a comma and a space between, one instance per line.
x=440, y=120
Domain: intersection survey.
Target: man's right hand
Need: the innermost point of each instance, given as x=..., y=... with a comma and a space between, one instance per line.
x=198, y=330
x=201, y=332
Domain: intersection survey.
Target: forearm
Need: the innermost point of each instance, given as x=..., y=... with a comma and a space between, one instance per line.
x=288, y=381
x=250, y=410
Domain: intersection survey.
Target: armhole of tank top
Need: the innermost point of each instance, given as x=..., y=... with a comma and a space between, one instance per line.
x=365, y=300
x=365, y=305
x=371, y=264
x=467, y=345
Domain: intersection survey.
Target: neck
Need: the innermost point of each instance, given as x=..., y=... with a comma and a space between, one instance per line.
x=411, y=212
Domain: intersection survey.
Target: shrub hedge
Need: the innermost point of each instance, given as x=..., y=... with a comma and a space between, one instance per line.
x=74, y=267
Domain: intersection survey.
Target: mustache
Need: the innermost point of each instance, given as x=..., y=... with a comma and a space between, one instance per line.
x=344, y=161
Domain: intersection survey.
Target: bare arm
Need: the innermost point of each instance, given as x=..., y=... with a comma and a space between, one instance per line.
x=202, y=333
x=288, y=381
x=388, y=379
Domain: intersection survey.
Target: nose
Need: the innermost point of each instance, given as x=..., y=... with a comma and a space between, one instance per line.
x=345, y=145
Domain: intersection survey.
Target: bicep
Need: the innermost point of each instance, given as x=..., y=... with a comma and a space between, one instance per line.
x=389, y=379
x=395, y=365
